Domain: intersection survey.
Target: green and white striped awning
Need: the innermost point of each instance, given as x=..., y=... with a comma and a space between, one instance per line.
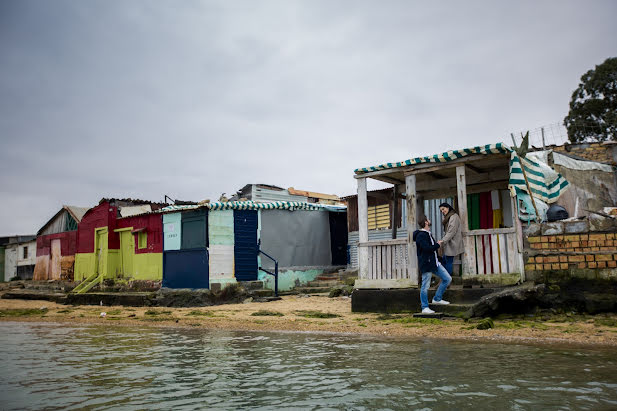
x=545, y=183
x=498, y=148
x=250, y=205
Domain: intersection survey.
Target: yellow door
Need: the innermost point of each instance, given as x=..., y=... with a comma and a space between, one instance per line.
x=127, y=251
x=101, y=252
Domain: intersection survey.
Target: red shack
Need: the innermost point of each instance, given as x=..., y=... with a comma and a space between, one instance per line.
x=120, y=239
x=56, y=245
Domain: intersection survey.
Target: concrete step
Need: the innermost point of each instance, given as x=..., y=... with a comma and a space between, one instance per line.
x=253, y=285
x=264, y=292
x=324, y=277
x=324, y=283
x=450, y=308
x=408, y=299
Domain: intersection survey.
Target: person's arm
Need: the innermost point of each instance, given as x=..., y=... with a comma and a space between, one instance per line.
x=451, y=230
x=424, y=241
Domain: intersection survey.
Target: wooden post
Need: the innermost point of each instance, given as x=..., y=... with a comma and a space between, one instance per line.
x=395, y=202
x=362, y=229
x=516, y=222
x=412, y=225
x=468, y=260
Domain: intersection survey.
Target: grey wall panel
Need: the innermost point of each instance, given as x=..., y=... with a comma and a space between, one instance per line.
x=265, y=195
x=296, y=238
x=373, y=235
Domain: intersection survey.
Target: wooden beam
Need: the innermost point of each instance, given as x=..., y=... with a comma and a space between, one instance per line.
x=362, y=228
x=395, y=203
x=389, y=180
x=414, y=167
x=461, y=192
x=412, y=258
x=471, y=189
x=450, y=183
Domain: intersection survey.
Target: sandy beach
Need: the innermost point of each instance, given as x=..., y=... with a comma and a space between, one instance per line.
x=323, y=314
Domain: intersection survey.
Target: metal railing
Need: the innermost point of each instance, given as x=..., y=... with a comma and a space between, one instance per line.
x=276, y=269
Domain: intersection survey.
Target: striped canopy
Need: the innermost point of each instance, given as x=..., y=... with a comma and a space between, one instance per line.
x=250, y=205
x=498, y=148
x=545, y=183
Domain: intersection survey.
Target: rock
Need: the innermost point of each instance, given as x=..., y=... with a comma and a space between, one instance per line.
x=574, y=227
x=519, y=299
x=554, y=228
x=485, y=324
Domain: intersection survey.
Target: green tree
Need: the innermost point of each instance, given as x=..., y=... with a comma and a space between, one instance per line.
x=593, y=108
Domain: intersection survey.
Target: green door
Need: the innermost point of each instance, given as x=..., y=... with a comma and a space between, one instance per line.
x=101, y=238
x=127, y=251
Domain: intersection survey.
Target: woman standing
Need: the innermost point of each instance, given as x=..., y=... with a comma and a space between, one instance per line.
x=452, y=241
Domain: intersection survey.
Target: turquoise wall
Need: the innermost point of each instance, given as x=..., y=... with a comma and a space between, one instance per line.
x=288, y=279
x=172, y=231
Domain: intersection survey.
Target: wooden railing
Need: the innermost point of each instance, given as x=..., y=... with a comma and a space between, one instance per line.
x=387, y=259
x=491, y=251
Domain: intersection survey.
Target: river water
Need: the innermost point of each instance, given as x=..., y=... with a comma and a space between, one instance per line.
x=52, y=366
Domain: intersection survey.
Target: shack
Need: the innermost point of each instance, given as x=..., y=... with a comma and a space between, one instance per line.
x=19, y=254
x=56, y=243
x=120, y=240
x=488, y=183
x=215, y=244
x=387, y=219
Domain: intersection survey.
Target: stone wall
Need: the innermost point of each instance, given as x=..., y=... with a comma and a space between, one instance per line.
x=605, y=152
x=571, y=249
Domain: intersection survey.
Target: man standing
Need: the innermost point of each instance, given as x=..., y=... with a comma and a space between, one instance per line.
x=429, y=265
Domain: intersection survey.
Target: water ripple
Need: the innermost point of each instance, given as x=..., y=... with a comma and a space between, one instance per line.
x=108, y=367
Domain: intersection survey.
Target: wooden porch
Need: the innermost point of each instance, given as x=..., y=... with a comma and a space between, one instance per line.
x=393, y=263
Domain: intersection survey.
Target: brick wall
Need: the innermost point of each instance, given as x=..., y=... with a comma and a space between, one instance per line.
x=600, y=152
x=570, y=249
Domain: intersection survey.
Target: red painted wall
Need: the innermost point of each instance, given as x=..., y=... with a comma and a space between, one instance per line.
x=68, y=243
x=103, y=215
x=153, y=223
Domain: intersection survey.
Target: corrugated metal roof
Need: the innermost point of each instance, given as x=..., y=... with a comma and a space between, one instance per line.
x=76, y=212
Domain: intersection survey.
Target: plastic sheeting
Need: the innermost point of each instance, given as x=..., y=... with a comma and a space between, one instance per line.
x=296, y=238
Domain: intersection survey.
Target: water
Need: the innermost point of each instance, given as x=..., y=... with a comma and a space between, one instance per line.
x=110, y=367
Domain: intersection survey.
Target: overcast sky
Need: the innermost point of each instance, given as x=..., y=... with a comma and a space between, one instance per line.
x=195, y=98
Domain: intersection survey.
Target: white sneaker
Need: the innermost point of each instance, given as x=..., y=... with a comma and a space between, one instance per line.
x=427, y=311
x=440, y=302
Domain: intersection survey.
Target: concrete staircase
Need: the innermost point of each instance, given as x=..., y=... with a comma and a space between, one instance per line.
x=321, y=285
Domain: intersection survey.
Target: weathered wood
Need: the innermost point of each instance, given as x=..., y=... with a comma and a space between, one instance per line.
x=383, y=242
x=495, y=253
x=450, y=191
x=412, y=259
x=395, y=203
x=388, y=251
x=503, y=259
x=512, y=253
x=519, y=238
x=490, y=231
x=468, y=243
x=363, y=257
x=479, y=254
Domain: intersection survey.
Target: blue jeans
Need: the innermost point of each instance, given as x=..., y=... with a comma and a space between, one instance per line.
x=426, y=282
x=448, y=262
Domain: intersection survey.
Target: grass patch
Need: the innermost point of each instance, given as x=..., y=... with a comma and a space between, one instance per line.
x=201, y=313
x=267, y=313
x=361, y=325
x=155, y=312
x=22, y=312
x=412, y=320
x=65, y=311
x=606, y=322
x=114, y=312
x=316, y=314
x=158, y=319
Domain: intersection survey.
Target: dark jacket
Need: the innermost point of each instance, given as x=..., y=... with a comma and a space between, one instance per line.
x=426, y=251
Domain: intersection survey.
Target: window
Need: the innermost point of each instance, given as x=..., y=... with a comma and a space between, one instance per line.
x=26, y=252
x=142, y=239
x=379, y=217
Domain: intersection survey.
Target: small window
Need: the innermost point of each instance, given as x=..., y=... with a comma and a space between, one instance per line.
x=142, y=239
x=379, y=217
x=26, y=252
